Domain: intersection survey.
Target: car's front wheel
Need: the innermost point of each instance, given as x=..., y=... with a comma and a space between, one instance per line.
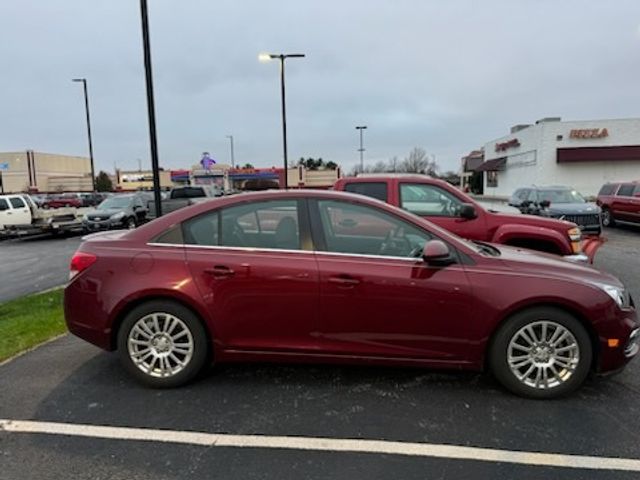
x=607, y=218
x=162, y=344
x=542, y=352
x=130, y=224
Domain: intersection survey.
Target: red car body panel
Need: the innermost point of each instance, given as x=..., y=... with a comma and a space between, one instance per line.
x=487, y=226
x=306, y=305
x=623, y=206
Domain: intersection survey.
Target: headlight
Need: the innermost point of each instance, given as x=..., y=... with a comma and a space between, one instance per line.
x=85, y=218
x=117, y=216
x=620, y=295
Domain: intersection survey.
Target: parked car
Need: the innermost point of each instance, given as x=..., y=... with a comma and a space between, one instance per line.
x=335, y=277
x=619, y=201
x=15, y=209
x=64, y=200
x=91, y=199
x=181, y=197
x=450, y=208
x=120, y=211
x=559, y=202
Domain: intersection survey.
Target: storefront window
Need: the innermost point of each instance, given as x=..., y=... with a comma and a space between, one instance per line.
x=492, y=179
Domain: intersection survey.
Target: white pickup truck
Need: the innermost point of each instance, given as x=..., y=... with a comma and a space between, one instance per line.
x=19, y=215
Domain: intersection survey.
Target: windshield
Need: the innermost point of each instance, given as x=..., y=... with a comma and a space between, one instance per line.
x=560, y=196
x=113, y=203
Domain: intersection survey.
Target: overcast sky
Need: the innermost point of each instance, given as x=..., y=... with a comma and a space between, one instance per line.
x=443, y=75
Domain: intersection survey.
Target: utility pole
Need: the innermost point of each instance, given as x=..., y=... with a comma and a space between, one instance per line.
x=86, y=108
x=361, y=149
x=151, y=109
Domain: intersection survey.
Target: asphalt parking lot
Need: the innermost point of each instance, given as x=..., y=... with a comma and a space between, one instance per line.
x=70, y=382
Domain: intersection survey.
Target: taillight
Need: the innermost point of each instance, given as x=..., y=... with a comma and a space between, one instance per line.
x=80, y=262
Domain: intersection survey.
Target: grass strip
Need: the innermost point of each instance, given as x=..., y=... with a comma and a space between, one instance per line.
x=27, y=321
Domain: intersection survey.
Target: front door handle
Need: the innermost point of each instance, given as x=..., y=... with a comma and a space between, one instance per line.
x=220, y=271
x=344, y=281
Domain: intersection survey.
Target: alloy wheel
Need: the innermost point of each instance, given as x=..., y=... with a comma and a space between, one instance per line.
x=543, y=354
x=160, y=345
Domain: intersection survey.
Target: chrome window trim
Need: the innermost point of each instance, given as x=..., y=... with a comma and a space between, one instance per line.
x=282, y=250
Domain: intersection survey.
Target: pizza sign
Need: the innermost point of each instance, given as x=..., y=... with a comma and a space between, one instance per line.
x=589, y=133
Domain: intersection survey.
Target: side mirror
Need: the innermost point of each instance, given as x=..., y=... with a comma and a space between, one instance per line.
x=436, y=253
x=544, y=204
x=468, y=211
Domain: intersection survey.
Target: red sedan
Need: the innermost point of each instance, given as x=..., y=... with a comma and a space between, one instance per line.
x=335, y=277
x=65, y=200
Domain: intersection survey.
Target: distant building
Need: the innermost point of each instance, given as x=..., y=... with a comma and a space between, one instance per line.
x=44, y=172
x=141, y=180
x=582, y=154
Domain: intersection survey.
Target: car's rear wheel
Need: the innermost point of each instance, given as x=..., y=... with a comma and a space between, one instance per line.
x=607, y=218
x=162, y=344
x=542, y=352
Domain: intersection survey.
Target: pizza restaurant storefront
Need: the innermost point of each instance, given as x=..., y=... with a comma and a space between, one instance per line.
x=580, y=154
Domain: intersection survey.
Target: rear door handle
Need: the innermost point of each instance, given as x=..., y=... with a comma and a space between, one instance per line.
x=220, y=271
x=344, y=281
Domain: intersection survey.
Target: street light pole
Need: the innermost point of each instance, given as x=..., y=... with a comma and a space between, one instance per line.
x=282, y=57
x=361, y=149
x=233, y=161
x=151, y=110
x=86, y=107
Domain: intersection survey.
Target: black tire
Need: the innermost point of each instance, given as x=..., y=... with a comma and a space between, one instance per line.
x=130, y=223
x=498, y=352
x=607, y=218
x=191, y=322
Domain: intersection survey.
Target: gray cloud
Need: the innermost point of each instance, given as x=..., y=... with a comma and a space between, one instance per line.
x=446, y=76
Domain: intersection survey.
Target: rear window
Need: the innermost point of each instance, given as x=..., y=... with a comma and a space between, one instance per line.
x=370, y=189
x=3, y=204
x=608, y=189
x=188, y=192
x=626, y=190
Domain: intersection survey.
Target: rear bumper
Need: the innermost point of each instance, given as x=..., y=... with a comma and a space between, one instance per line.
x=83, y=315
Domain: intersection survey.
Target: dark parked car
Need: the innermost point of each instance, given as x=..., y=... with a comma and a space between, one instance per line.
x=559, y=202
x=620, y=201
x=341, y=278
x=120, y=211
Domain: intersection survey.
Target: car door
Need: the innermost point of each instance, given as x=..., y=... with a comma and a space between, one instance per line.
x=377, y=296
x=19, y=213
x=257, y=274
x=442, y=208
x=621, y=206
x=5, y=212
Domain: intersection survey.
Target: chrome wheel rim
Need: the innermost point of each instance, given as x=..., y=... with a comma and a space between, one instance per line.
x=606, y=218
x=131, y=224
x=160, y=344
x=543, y=355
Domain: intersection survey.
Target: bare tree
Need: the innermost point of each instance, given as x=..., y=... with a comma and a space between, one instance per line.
x=418, y=162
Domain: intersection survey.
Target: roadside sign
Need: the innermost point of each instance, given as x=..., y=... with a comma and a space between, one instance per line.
x=4, y=166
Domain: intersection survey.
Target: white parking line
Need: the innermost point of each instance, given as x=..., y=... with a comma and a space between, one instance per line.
x=324, y=445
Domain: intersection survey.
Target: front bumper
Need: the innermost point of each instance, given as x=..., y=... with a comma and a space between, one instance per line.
x=619, y=341
x=97, y=225
x=578, y=258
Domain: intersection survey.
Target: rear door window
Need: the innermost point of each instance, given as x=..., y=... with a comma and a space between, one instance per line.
x=626, y=190
x=17, y=202
x=376, y=190
x=4, y=205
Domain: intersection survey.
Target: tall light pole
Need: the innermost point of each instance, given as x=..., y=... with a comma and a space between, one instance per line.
x=233, y=160
x=361, y=149
x=265, y=57
x=86, y=107
x=151, y=109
